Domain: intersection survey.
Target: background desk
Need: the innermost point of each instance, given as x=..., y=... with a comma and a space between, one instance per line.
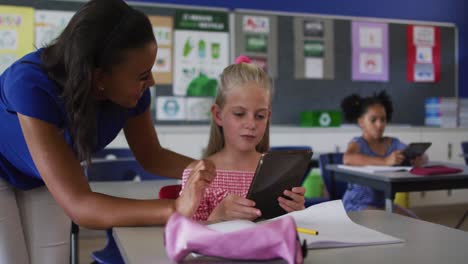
x=393, y=182
x=425, y=243
x=130, y=189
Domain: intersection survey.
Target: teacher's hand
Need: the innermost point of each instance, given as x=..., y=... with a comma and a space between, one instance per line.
x=200, y=178
x=297, y=199
x=234, y=207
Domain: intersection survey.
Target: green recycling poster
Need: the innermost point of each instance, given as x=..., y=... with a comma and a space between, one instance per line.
x=201, y=51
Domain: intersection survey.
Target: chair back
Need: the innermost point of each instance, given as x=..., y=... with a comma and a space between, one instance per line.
x=170, y=191
x=464, y=146
x=116, y=153
x=118, y=164
x=118, y=170
x=335, y=189
x=291, y=148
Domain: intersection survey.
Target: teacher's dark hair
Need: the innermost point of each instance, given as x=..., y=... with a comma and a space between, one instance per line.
x=354, y=106
x=96, y=37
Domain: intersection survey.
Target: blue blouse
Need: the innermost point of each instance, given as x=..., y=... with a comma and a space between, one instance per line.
x=25, y=88
x=358, y=197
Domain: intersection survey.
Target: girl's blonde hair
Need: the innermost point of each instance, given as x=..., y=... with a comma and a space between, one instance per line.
x=234, y=76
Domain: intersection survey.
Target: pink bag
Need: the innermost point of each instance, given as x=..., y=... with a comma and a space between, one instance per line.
x=434, y=170
x=269, y=240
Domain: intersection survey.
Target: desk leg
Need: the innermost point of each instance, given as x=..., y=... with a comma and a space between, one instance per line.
x=388, y=205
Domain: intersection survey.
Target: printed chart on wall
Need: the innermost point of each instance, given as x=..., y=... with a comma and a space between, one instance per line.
x=162, y=69
x=256, y=30
x=201, y=51
x=16, y=34
x=170, y=108
x=313, y=48
x=423, y=49
x=256, y=36
x=369, y=51
x=49, y=24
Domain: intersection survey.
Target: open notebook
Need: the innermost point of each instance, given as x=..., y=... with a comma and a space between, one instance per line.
x=331, y=221
x=374, y=169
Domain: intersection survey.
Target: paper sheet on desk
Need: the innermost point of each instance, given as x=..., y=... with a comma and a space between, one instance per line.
x=373, y=169
x=333, y=224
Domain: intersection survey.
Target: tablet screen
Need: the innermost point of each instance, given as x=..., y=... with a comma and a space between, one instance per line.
x=277, y=171
x=414, y=150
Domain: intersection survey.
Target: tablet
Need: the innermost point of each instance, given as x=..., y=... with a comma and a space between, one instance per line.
x=414, y=150
x=277, y=170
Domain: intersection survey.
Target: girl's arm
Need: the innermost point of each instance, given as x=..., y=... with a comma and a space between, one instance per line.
x=143, y=140
x=352, y=156
x=64, y=178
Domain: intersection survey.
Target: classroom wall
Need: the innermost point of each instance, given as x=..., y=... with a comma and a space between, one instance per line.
x=453, y=11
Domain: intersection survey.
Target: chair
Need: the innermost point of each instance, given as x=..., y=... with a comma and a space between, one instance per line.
x=125, y=153
x=113, y=164
x=102, y=154
x=336, y=189
x=122, y=169
x=125, y=169
x=464, y=146
x=170, y=191
x=117, y=153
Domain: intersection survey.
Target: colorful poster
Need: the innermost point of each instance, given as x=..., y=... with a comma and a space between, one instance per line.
x=49, y=24
x=423, y=54
x=313, y=28
x=312, y=39
x=370, y=63
x=16, y=34
x=256, y=37
x=423, y=51
x=314, y=68
x=170, y=108
x=163, y=62
x=201, y=47
x=256, y=24
x=314, y=53
x=261, y=62
x=255, y=30
x=369, y=51
x=256, y=43
x=162, y=68
x=423, y=36
x=199, y=108
x=424, y=72
x=313, y=48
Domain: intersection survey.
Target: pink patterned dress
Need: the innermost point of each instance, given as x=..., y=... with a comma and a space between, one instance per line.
x=226, y=182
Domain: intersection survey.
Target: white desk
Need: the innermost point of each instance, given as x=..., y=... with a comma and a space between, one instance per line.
x=393, y=182
x=426, y=243
x=130, y=189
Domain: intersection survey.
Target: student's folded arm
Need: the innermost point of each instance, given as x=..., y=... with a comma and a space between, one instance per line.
x=64, y=178
x=143, y=140
x=352, y=156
